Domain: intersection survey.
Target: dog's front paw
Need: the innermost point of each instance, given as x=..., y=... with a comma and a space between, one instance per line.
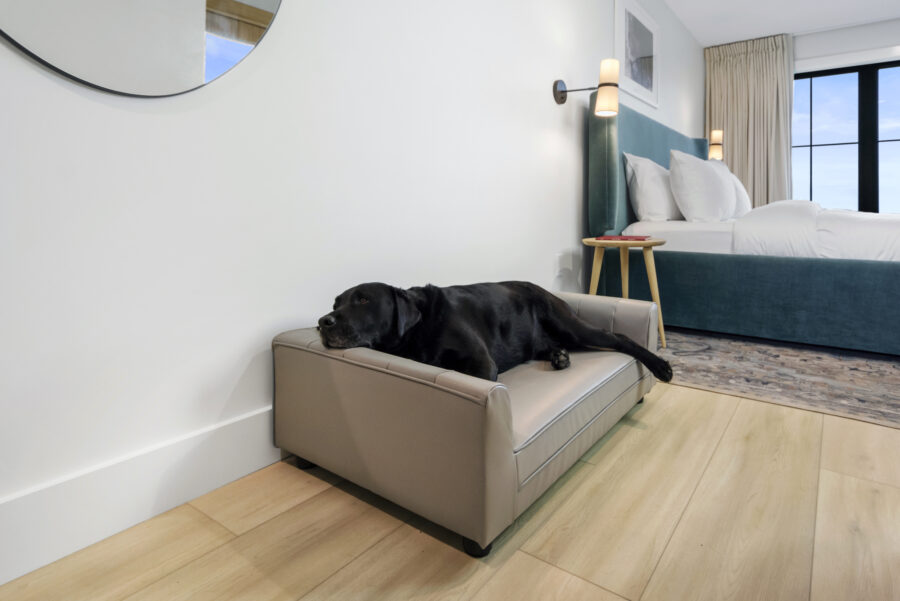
x=559, y=359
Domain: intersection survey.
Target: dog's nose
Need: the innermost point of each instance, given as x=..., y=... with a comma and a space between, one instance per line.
x=327, y=321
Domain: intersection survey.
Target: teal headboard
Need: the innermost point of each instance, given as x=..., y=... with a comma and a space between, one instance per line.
x=608, y=209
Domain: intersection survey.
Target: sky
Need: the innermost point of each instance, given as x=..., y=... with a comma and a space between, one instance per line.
x=834, y=121
x=222, y=54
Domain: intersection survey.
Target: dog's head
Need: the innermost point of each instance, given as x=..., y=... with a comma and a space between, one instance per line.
x=373, y=315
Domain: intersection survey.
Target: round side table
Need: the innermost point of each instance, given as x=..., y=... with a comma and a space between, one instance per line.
x=623, y=245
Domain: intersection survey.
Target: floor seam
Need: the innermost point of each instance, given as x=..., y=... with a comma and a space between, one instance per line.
x=574, y=575
x=352, y=559
x=693, y=492
x=216, y=548
x=181, y=567
x=812, y=555
x=860, y=478
x=790, y=404
x=191, y=504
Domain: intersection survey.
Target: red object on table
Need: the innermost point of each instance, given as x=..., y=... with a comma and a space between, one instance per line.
x=622, y=238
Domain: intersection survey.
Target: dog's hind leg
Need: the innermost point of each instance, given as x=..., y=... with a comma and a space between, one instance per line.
x=656, y=364
x=572, y=332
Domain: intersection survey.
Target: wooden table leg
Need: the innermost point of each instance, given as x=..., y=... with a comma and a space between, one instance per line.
x=654, y=289
x=595, y=270
x=623, y=263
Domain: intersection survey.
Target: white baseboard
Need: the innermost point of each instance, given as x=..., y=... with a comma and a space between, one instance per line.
x=43, y=524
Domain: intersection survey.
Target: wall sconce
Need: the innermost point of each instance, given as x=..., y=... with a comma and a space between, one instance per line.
x=715, y=144
x=607, y=104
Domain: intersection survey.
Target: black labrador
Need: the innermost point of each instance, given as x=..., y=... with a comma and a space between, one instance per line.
x=478, y=329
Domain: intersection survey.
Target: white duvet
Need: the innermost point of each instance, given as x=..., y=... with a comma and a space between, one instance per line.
x=800, y=228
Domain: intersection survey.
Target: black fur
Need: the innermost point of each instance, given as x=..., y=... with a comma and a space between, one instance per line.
x=479, y=329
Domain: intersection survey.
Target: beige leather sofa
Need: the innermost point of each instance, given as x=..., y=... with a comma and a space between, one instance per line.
x=466, y=453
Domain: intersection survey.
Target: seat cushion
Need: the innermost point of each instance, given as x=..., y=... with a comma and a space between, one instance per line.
x=550, y=408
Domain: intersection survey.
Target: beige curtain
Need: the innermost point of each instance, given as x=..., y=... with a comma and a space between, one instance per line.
x=750, y=96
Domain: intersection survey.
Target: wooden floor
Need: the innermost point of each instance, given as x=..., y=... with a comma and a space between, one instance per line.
x=693, y=495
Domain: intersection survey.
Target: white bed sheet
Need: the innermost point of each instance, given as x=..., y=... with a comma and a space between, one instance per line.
x=687, y=236
x=855, y=235
x=787, y=228
x=799, y=228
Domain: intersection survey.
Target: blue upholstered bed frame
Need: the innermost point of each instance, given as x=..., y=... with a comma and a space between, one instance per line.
x=831, y=302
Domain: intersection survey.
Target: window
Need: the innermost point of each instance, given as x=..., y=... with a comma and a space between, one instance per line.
x=846, y=138
x=889, y=140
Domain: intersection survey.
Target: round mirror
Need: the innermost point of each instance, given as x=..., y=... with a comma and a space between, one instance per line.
x=138, y=47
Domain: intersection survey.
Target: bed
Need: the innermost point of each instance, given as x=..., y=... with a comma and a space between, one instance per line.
x=787, y=228
x=840, y=302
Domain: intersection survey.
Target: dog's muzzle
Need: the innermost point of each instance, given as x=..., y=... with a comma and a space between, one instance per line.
x=334, y=336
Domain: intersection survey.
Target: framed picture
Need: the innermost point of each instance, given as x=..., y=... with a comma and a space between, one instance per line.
x=637, y=48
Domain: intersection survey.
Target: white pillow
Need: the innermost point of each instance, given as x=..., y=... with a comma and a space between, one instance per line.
x=702, y=191
x=649, y=190
x=742, y=204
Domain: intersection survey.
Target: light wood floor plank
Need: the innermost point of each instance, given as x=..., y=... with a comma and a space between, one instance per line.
x=424, y=561
x=283, y=558
x=125, y=563
x=748, y=531
x=857, y=552
x=260, y=496
x=408, y=564
x=859, y=449
x=525, y=578
x=614, y=527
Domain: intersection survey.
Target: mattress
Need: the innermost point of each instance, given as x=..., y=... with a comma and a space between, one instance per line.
x=686, y=236
x=787, y=228
x=799, y=228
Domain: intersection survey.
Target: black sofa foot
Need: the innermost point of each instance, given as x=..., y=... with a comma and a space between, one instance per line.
x=474, y=549
x=303, y=464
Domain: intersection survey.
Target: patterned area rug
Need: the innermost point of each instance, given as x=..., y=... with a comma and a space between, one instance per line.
x=852, y=384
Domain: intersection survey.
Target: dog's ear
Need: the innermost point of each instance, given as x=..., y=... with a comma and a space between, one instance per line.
x=407, y=313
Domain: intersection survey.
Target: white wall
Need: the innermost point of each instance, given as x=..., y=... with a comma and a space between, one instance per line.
x=858, y=45
x=682, y=75
x=148, y=48
x=150, y=249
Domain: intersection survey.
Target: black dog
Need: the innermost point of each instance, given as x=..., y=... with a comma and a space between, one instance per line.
x=479, y=329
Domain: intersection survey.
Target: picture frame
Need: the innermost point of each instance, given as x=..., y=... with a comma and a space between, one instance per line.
x=637, y=48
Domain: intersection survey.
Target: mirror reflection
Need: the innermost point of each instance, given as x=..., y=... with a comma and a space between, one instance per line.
x=155, y=48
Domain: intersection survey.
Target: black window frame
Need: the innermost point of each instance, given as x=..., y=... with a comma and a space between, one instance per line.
x=867, y=135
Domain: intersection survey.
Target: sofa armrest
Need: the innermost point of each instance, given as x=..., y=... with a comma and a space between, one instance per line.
x=636, y=319
x=432, y=440
x=474, y=389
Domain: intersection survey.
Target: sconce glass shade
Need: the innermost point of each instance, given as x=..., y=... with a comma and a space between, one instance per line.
x=607, y=104
x=715, y=144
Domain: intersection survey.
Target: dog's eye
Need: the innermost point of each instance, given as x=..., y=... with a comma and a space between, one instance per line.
x=362, y=300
